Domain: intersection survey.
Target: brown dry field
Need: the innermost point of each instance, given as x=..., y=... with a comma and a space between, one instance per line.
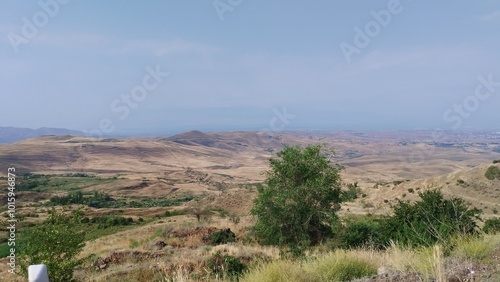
x=198, y=162
x=221, y=168
x=207, y=164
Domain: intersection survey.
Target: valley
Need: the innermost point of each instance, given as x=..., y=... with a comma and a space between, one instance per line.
x=174, y=189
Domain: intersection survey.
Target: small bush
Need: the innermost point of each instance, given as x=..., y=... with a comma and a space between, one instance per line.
x=352, y=192
x=460, y=182
x=432, y=220
x=496, y=161
x=4, y=250
x=106, y=221
x=397, y=182
x=222, y=265
x=492, y=172
x=491, y=226
x=222, y=236
x=361, y=233
x=172, y=213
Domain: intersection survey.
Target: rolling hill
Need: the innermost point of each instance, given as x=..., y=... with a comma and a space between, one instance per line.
x=13, y=134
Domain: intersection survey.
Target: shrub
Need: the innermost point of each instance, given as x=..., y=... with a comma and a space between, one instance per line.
x=4, y=250
x=496, y=161
x=222, y=265
x=106, y=221
x=431, y=220
x=55, y=243
x=352, y=192
x=492, y=225
x=365, y=232
x=492, y=172
x=222, y=236
x=167, y=213
x=460, y=182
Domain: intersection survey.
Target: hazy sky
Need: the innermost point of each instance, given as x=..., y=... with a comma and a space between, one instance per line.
x=166, y=66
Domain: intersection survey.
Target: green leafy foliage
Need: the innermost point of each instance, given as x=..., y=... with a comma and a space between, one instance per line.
x=492, y=225
x=297, y=205
x=226, y=265
x=55, y=243
x=28, y=181
x=77, y=197
x=431, y=220
x=106, y=221
x=366, y=232
x=492, y=173
x=222, y=236
x=4, y=250
x=351, y=193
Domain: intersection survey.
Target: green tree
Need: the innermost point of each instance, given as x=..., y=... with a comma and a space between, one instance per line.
x=297, y=205
x=433, y=219
x=55, y=243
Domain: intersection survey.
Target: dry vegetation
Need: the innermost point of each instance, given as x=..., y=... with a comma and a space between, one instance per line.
x=219, y=172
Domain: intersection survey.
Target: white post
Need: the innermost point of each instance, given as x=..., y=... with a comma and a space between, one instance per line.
x=38, y=273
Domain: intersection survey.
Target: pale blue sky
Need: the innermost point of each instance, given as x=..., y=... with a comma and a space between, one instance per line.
x=69, y=63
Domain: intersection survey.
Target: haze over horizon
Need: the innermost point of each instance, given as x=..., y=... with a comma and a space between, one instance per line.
x=162, y=67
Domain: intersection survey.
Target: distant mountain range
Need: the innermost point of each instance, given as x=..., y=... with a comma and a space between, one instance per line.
x=13, y=134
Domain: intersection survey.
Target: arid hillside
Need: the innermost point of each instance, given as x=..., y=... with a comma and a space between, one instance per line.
x=176, y=191
x=387, y=165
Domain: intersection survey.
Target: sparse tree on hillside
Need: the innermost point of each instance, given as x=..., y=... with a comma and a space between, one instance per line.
x=297, y=205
